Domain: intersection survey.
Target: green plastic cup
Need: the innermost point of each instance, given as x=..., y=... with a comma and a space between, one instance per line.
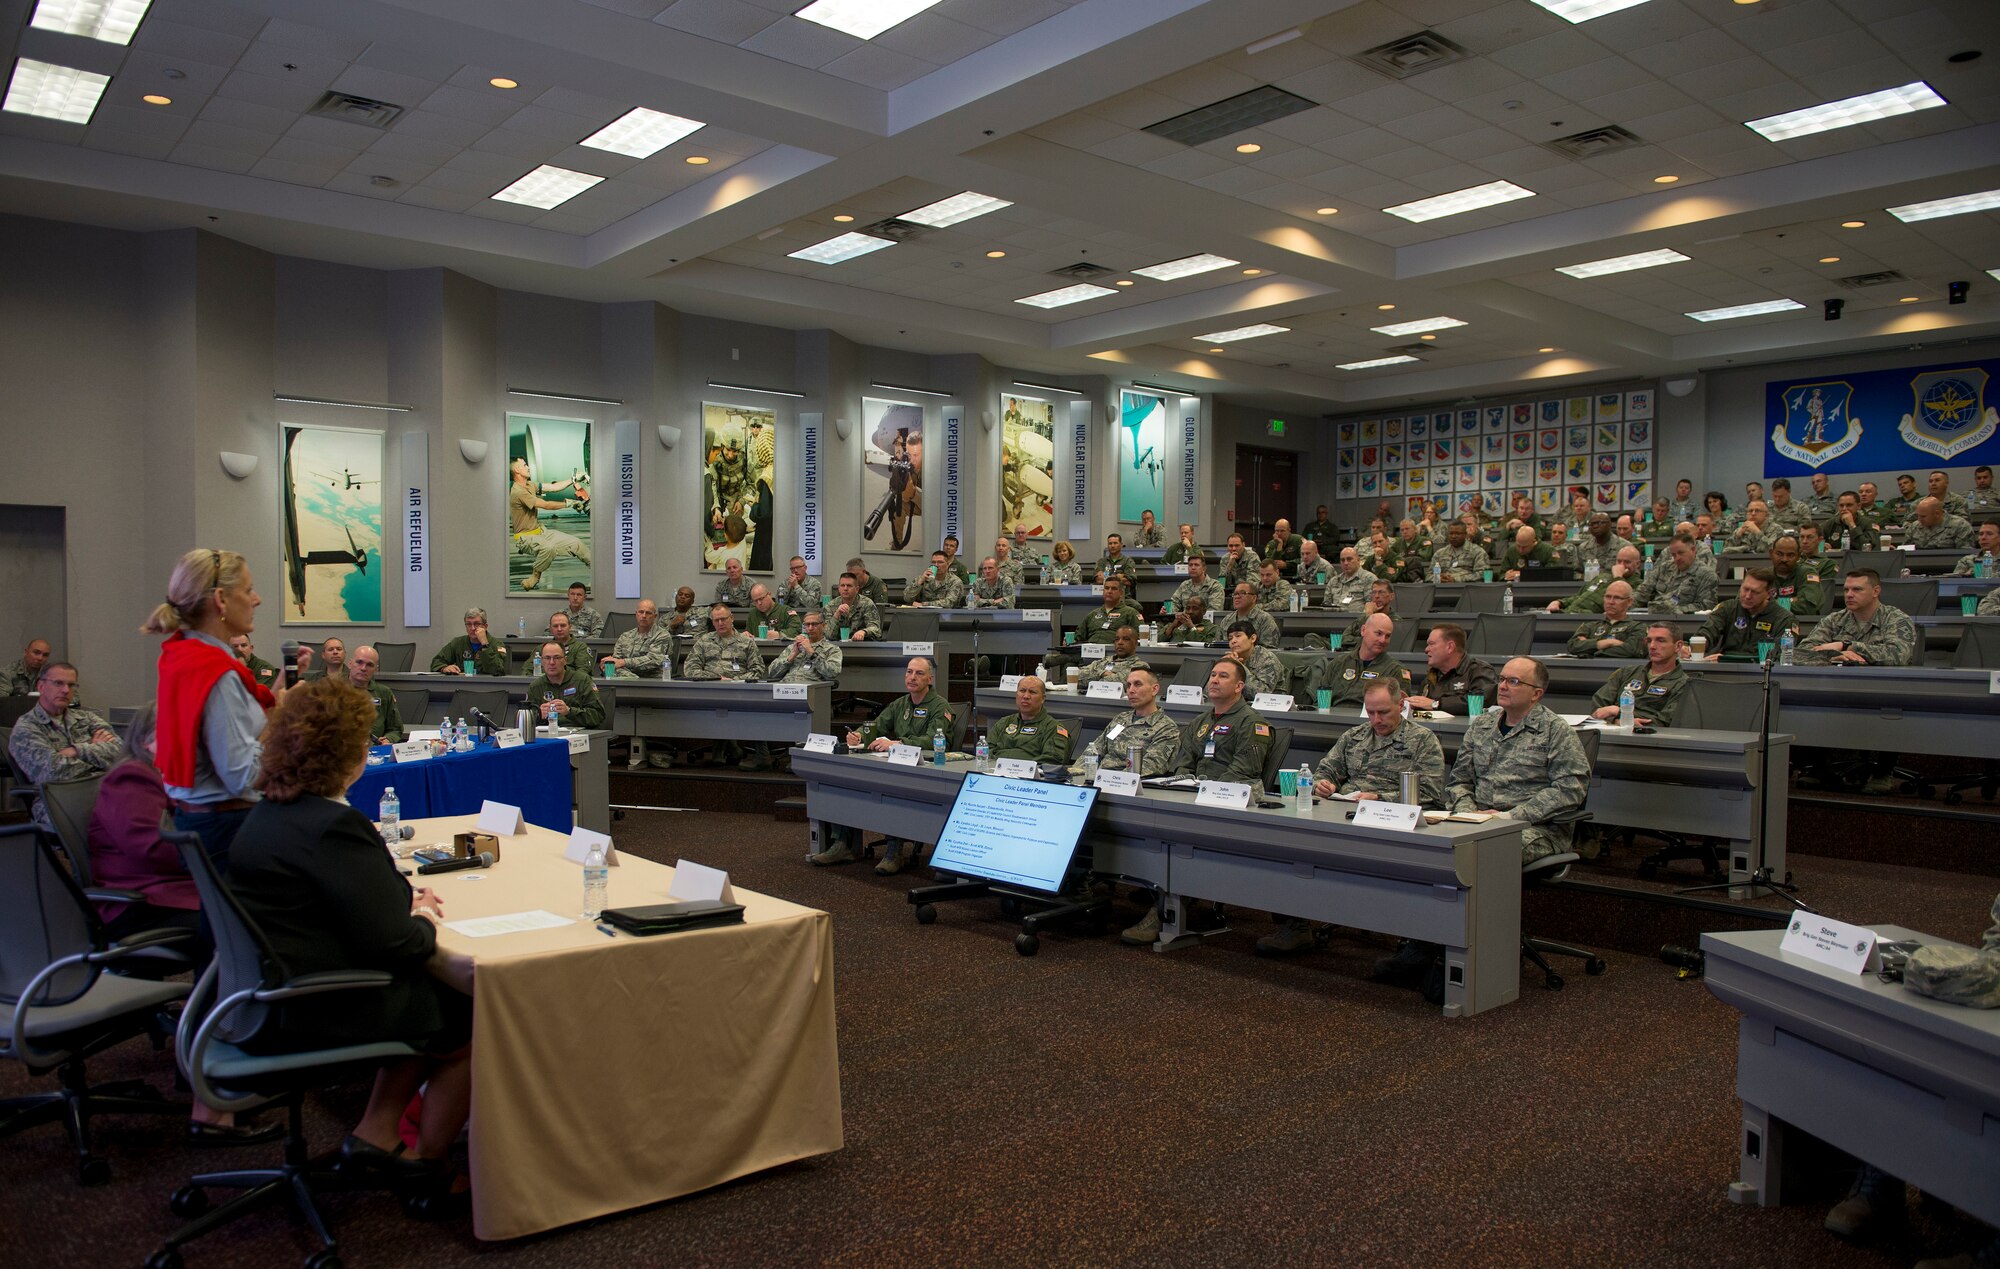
x=847, y=632
x=1764, y=647
x=1489, y=574
x=1334, y=641
x=1288, y=781
x=1475, y=705
x=1968, y=604
x=1325, y=698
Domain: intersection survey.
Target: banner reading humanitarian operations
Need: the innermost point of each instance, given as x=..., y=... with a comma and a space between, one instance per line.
x=1883, y=420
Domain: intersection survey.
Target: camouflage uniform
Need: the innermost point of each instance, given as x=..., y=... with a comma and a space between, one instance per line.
x=585, y=623
x=1013, y=572
x=1264, y=623
x=388, y=717
x=1794, y=515
x=1586, y=549
x=1959, y=975
x=1264, y=672
x=861, y=615
x=1954, y=505
x=1348, y=593
x=1118, y=566
x=1964, y=568
x=994, y=594
x=1349, y=677
x=802, y=595
x=1319, y=574
x=576, y=655
x=491, y=659
x=1043, y=738
x=1534, y=771
x=1230, y=572
x=1653, y=699
x=781, y=621
x=1748, y=537
x=1240, y=738
x=937, y=592
x=1889, y=638
x=586, y=707
x=37, y=743
x=1101, y=625
x=1363, y=762
x=1630, y=633
x=1953, y=533
x=1473, y=677
x=821, y=665
x=643, y=652
x=1733, y=632
x=1110, y=669
x=1147, y=539
x=1070, y=574
x=731, y=659
x=690, y=623
x=1208, y=588
x=1157, y=736
x=1820, y=506
x=1276, y=597
x=1981, y=500
x=1467, y=563
x=737, y=596
x=19, y=680
x=911, y=722
x=1803, y=587
x=1671, y=589
x=1989, y=606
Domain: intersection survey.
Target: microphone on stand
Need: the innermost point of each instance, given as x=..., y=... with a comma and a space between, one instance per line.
x=484, y=859
x=289, y=650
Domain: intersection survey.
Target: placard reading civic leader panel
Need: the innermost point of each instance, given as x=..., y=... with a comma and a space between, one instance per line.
x=1882, y=420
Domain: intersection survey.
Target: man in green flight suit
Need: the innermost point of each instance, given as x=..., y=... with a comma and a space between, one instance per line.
x=1100, y=624
x=1229, y=741
x=1031, y=731
x=915, y=718
x=1615, y=634
x=576, y=653
x=476, y=645
x=1527, y=551
x=1738, y=625
x=361, y=666
x=563, y=694
x=1657, y=686
x=263, y=670
x=1350, y=674
x=1796, y=586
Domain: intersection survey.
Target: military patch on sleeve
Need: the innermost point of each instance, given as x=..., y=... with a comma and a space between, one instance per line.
x=1062, y=731
x=1263, y=729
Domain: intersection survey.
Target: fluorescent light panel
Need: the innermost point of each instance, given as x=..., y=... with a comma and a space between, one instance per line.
x=62, y=93
x=1994, y=274
x=844, y=247
x=1622, y=264
x=1418, y=327
x=949, y=211
x=1379, y=361
x=1185, y=267
x=641, y=133
x=1066, y=295
x=1241, y=332
x=1585, y=10
x=112, y=21
x=1958, y=205
x=1745, y=310
x=547, y=187
x=1464, y=200
x=1847, y=112
x=862, y=19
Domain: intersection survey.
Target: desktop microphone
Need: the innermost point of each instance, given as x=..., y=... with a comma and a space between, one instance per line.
x=486, y=718
x=484, y=859
x=404, y=832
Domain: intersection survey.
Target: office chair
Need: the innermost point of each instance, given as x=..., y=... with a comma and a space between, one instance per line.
x=229, y=1003
x=1480, y=598
x=65, y=1006
x=1415, y=598
x=396, y=658
x=1403, y=637
x=1496, y=636
x=617, y=623
x=491, y=699
x=70, y=803
x=1274, y=758
x=412, y=703
x=1889, y=564
x=1303, y=671
x=1536, y=873
x=1710, y=704
x=1917, y=596
x=1193, y=672
x=1978, y=649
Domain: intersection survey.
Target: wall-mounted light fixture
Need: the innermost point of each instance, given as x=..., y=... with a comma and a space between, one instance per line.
x=745, y=387
x=473, y=452
x=238, y=465
x=296, y=399
x=565, y=396
x=843, y=428
x=1047, y=387
x=1680, y=387
x=670, y=435
x=903, y=387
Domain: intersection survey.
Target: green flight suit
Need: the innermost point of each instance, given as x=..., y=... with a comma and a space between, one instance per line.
x=586, y=707
x=1101, y=625
x=1733, y=632
x=1653, y=699
x=1230, y=746
x=1805, y=589
x=911, y=722
x=782, y=621
x=1349, y=677
x=490, y=659
x=388, y=727
x=1044, y=738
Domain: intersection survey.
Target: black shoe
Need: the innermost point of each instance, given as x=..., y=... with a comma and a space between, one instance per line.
x=359, y=1156
x=1411, y=960
x=1433, y=987
x=214, y=1136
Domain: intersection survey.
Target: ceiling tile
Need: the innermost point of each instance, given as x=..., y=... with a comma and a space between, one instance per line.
x=729, y=21
x=247, y=114
x=877, y=67
x=382, y=85
x=138, y=147
x=802, y=43
x=444, y=129
x=1550, y=54
x=217, y=160
x=311, y=40
x=313, y=174
x=335, y=132
x=488, y=106
x=190, y=43
x=1002, y=17
x=283, y=94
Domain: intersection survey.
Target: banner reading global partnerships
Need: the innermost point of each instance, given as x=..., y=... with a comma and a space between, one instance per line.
x=1883, y=420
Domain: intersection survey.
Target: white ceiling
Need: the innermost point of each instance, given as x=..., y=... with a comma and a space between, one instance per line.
x=1044, y=102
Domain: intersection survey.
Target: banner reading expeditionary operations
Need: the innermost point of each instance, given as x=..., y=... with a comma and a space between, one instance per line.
x=1882, y=420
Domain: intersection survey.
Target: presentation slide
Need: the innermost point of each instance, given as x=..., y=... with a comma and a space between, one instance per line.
x=1015, y=832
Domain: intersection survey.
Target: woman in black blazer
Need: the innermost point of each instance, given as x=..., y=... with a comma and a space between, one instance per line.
x=313, y=873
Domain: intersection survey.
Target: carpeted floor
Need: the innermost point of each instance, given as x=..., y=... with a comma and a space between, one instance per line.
x=1099, y=1104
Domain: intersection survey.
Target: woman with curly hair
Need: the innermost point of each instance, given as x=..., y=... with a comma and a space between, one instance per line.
x=1063, y=569
x=312, y=872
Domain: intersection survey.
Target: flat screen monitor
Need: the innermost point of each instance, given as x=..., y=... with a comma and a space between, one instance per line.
x=1013, y=832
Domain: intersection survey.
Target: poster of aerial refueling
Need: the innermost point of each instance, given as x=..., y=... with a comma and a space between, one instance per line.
x=332, y=515
x=1142, y=462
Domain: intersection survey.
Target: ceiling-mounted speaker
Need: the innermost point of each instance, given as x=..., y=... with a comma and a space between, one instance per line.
x=670, y=435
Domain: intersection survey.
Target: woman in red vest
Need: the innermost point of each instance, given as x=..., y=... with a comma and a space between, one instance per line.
x=211, y=708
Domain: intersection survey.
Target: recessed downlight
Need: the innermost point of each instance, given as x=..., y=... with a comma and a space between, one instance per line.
x=1248, y=147
x=501, y=81
x=991, y=255
x=1545, y=350
x=843, y=219
x=1326, y=211
x=155, y=99
x=1124, y=282
x=697, y=160
x=1665, y=180
x=1829, y=259
x=1853, y=224
x=1385, y=308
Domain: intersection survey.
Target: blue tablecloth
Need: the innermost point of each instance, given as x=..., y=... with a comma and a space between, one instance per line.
x=534, y=777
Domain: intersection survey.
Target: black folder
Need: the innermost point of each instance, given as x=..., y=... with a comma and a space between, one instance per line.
x=670, y=918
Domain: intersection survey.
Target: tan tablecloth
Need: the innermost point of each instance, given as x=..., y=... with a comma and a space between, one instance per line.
x=611, y=1073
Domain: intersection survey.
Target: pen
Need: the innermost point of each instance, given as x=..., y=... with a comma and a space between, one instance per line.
x=606, y=930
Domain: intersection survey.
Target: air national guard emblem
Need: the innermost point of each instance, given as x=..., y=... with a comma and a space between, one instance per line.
x=1951, y=414
x=1818, y=426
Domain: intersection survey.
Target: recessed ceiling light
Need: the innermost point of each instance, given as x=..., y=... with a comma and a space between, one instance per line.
x=1907, y=299
x=1327, y=211
x=1124, y=282
x=1248, y=147
x=155, y=99
x=862, y=19
x=1829, y=259
x=1066, y=295
x=844, y=247
x=501, y=81
x=1846, y=112
x=1745, y=310
x=1545, y=350
x=641, y=133
x=547, y=187
x=1379, y=361
x=1746, y=1
x=991, y=255
x=1242, y=332
x=1958, y=205
x=1185, y=267
x=1251, y=273
x=1665, y=180
x=1427, y=337
x=696, y=160
x=62, y=93
x=1585, y=10
x=1217, y=350
x=1384, y=308
x=1418, y=327
x=949, y=211
x=1463, y=200
x=1622, y=264
x=843, y=219
x=1853, y=224
x=112, y=21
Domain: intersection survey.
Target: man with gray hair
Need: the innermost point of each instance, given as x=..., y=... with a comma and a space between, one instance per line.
x=476, y=647
x=57, y=741
x=361, y=667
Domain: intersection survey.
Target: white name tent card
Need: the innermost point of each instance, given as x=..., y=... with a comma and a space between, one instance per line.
x=499, y=819
x=694, y=881
x=1107, y=688
x=411, y=750
x=1008, y=682
x=1180, y=570
x=1835, y=944
x=579, y=742
x=819, y=742
x=580, y=842
x=788, y=691
x=905, y=755
x=1223, y=793
x=1091, y=651
x=1015, y=768
x=919, y=649
x=1273, y=702
x=1183, y=694
x=1397, y=815
x=1034, y=614
x=1124, y=784
x=510, y=738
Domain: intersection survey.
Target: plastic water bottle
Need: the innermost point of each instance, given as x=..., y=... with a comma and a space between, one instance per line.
x=1590, y=569
x=1627, y=706
x=1985, y=568
x=1507, y=601
x=521, y=627
x=1295, y=599
x=937, y=749
x=596, y=882
x=391, y=816
x=1788, y=643
x=1089, y=768
x=983, y=753
x=1846, y=540
x=1302, y=797
x=1437, y=572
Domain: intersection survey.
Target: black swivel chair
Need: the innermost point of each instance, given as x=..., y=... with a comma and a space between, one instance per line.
x=1917, y=596
x=70, y=803
x=244, y=982
x=412, y=703
x=396, y=658
x=65, y=1006
x=617, y=623
x=1193, y=672
x=1274, y=758
x=1497, y=635
x=1552, y=868
x=493, y=700
x=1415, y=598
x=1978, y=649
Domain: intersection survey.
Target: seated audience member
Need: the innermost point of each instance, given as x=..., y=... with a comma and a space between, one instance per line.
x=1615, y=634
x=332, y=662
x=725, y=653
x=1812, y=546
x=936, y=586
x=642, y=653
x=1821, y=503
x=1380, y=553
x=1191, y=623
x=1283, y=548
x=575, y=651
x=1865, y=632
x=733, y=588
x=1522, y=759
x=769, y=619
x=1984, y=498
x=1228, y=740
x=1322, y=530
x=1013, y=568
x=1452, y=677
x=1990, y=606
x=1683, y=582
x=811, y=657
x=585, y=622
x=1460, y=559
x=1684, y=506
x=56, y=741
x=1144, y=724
x=1628, y=566
x=1527, y=552
x=1101, y=623
x=1367, y=764
x=1940, y=489
x=801, y=593
x=873, y=588
x=1599, y=545
x=312, y=873
x=260, y=669
x=1244, y=607
x=1716, y=507
x=1739, y=626
x=1656, y=686
x=917, y=717
x=991, y=590
x=19, y=679
x=1123, y=660
x=1937, y=531
x=1756, y=532
x=1786, y=513
x=1063, y=570
x=1853, y=523
x=851, y=613
x=1184, y=548
x=1350, y=672
x=1382, y=599
x=1562, y=551
x=563, y=694
x=1148, y=537
x=1030, y=732
x=1115, y=563
x=477, y=645
x=957, y=565
x=1794, y=585
x=1238, y=563
x=686, y=619
x=1314, y=569
x=1988, y=543
x=1274, y=593
x=1262, y=670
x=1198, y=582
x=361, y=668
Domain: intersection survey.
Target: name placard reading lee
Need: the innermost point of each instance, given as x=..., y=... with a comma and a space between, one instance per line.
x=1397, y=815
x=1034, y=614
x=1835, y=944
x=579, y=743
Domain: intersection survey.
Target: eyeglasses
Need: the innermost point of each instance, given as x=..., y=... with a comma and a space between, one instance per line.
x=1508, y=680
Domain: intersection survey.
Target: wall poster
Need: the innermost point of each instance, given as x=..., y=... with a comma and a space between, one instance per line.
x=1027, y=465
x=739, y=446
x=548, y=504
x=892, y=476
x=331, y=498
x=1882, y=420
x=1142, y=450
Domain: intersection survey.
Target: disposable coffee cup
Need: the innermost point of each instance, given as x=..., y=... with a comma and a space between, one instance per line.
x=1072, y=673
x=1698, y=646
